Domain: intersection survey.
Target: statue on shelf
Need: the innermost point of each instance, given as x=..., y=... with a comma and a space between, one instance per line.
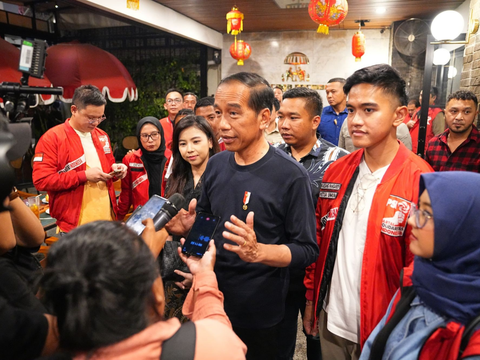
x=300, y=73
x=290, y=74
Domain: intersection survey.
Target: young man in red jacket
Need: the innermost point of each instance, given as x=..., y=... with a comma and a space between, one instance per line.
x=362, y=213
x=173, y=104
x=74, y=163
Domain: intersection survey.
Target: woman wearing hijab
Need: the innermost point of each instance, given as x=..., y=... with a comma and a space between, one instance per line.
x=435, y=313
x=145, y=167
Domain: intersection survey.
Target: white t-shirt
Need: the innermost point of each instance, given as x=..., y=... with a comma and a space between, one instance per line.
x=343, y=300
x=91, y=155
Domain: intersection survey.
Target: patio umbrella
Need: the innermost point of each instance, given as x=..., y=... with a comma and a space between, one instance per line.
x=9, y=69
x=71, y=65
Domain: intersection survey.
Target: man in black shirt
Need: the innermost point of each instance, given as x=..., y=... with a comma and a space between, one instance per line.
x=298, y=120
x=265, y=202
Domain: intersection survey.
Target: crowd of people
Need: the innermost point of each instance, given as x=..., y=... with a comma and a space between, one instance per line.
x=326, y=213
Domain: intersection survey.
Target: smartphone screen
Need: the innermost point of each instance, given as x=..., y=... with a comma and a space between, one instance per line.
x=149, y=210
x=200, y=235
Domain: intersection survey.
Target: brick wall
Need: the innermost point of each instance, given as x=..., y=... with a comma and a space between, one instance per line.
x=471, y=60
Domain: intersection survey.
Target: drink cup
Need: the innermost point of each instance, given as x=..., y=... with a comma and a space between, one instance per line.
x=34, y=205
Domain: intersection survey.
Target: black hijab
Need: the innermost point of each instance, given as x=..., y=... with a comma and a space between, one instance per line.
x=154, y=161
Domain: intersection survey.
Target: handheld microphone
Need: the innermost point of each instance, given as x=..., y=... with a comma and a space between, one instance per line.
x=168, y=211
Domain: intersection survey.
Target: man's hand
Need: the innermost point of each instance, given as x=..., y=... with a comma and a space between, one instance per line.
x=95, y=175
x=120, y=170
x=198, y=265
x=183, y=221
x=244, y=236
x=309, y=323
x=187, y=282
x=155, y=240
x=410, y=124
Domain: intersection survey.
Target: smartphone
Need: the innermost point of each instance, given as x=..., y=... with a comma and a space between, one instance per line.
x=149, y=210
x=200, y=234
x=113, y=173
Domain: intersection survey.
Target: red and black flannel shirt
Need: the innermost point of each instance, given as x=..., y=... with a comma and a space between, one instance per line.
x=465, y=158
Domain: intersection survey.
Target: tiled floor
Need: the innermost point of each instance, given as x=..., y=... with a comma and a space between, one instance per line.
x=301, y=346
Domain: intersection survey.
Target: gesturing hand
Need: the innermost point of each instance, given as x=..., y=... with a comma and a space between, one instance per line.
x=183, y=221
x=186, y=283
x=244, y=236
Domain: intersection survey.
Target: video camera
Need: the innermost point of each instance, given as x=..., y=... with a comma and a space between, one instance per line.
x=17, y=98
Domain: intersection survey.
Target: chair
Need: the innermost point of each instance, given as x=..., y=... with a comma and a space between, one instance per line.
x=130, y=142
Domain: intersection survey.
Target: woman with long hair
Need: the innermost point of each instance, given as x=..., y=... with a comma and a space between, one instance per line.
x=193, y=143
x=102, y=284
x=146, y=166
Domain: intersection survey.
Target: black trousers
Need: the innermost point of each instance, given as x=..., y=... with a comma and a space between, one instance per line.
x=261, y=343
x=287, y=336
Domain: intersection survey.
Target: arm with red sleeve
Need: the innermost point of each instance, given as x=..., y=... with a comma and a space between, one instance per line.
x=46, y=176
x=309, y=317
x=310, y=270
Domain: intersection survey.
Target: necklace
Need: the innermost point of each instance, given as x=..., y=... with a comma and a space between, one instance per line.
x=365, y=182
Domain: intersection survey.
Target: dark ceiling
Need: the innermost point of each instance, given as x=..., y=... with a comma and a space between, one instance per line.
x=266, y=15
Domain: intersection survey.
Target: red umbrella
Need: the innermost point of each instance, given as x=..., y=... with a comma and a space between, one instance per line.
x=71, y=65
x=9, y=69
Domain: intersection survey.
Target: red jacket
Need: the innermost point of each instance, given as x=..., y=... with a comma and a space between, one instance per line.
x=134, y=185
x=386, y=247
x=432, y=114
x=443, y=343
x=167, y=126
x=59, y=168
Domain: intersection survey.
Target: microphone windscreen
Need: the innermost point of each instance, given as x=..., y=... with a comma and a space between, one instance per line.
x=174, y=204
x=177, y=200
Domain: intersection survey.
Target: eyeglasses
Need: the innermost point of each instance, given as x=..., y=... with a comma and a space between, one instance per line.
x=154, y=136
x=92, y=121
x=421, y=216
x=171, y=101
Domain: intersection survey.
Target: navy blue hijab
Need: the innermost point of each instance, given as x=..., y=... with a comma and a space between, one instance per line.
x=449, y=282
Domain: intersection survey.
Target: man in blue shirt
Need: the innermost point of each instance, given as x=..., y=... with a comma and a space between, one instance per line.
x=333, y=115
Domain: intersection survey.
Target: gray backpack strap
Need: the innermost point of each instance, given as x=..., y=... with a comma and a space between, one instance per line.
x=181, y=346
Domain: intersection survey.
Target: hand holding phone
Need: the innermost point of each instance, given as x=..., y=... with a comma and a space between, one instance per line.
x=201, y=233
x=148, y=211
x=118, y=170
x=196, y=264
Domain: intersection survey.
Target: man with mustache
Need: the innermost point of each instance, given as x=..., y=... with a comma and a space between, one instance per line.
x=458, y=147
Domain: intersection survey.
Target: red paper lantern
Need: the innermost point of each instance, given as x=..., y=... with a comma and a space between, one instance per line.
x=234, y=21
x=240, y=51
x=327, y=13
x=358, y=45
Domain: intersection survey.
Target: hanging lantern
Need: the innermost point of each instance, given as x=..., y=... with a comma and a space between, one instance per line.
x=327, y=13
x=240, y=51
x=234, y=22
x=358, y=45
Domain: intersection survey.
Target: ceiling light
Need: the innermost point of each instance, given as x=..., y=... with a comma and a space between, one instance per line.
x=452, y=72
x=441, y=56
x=447, y=25
x=380, y=10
